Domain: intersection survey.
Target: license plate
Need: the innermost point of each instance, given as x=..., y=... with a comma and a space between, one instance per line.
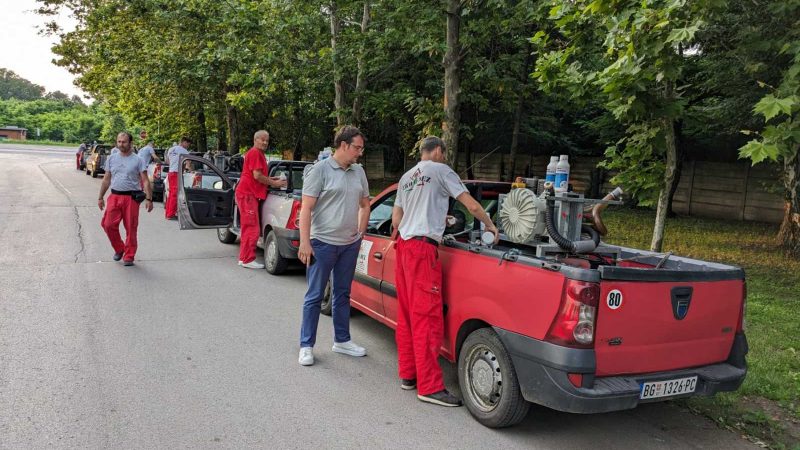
x=668, y=388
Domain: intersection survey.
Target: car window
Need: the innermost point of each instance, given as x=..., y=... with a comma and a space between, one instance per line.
x=462, y=215
x=380, y=218
x=296, y=174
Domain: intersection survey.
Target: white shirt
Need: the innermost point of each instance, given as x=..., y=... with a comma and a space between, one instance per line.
x=146, y=153
x=173, y=155
x=424, y=195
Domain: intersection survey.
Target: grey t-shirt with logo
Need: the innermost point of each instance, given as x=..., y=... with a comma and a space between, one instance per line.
x=424, y=194
x=125, y=171
x=339, y=191
x=174, y=157
x=146, y=153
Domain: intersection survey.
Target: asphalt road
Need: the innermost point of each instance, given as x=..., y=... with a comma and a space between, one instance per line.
x=186, y=349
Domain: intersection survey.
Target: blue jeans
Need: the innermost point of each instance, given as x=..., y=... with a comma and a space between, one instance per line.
x=341, y=260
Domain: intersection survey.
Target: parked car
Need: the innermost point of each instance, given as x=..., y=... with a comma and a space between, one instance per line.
x=206, y=200
x=582, y=335
x=80, y=156
x=97, y=159
x=157, y=173
x=165, y=176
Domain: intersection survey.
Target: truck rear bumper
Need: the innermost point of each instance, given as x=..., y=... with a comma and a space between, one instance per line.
x=284, y=238
x=542, y=369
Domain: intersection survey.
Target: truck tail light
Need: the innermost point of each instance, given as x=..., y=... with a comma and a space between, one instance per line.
x=197, y=181
x=294, y=216
x=574, y=323
x=742, y=309
x=157, y=171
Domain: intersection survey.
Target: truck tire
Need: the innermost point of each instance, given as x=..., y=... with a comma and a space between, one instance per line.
x=488, y=381
x=327, y=305
x=276, y=264
x=94, y=173
x=226, y=236
x=87, y=171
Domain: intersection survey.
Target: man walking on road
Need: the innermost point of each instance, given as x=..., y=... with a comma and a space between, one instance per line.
x=125, y=174
x=251, y=189
x=333, y=217
x=173, y=157
x=419, y=213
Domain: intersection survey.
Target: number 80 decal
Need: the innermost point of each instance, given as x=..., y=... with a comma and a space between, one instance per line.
x=614, y=299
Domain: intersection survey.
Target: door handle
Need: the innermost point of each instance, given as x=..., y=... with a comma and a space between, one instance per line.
x=378, y=255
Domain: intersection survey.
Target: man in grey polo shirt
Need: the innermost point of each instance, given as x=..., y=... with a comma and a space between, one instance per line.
x=333, y=217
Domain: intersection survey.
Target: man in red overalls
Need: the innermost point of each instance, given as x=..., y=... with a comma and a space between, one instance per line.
x=173, y=157
x=125, y=174
x=251, y=189
x=419, y=214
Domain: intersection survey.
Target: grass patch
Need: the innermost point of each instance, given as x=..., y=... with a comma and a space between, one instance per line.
x=772, y=319
x=35, y=142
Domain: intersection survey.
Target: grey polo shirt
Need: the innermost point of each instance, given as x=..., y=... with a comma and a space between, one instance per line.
x=339, y=191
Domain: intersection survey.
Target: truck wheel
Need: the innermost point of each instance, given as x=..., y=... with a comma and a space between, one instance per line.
x=327, y=305
x=226, y=236
x=87, y=172
x=276, y=264
x=94, y=173
x=488, y=381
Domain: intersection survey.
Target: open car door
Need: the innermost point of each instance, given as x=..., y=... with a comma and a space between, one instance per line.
x=205, y=195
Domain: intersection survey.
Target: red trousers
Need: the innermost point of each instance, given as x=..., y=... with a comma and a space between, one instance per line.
x=420, y=321
x=122, y=208
x=171, y=208
x=248, y=219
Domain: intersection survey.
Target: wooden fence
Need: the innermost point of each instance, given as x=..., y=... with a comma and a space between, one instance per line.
x=726, y=190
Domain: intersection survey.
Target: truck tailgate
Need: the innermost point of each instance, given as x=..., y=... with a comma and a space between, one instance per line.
x=653, y=324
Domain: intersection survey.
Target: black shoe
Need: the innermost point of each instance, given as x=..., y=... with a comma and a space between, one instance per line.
x=127, y=263
x=441, y=398
x=408, y=385
x=117, y=256
x=172, y=218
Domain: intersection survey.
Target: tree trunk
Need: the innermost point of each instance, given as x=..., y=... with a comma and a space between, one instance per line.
x=668, y=127
x=681, y=155
x=338, y=87
x=222, y=135
x=232, y=120
x=518, y=112
x=789, y=234
x=468, y=156
x=452, y=82
x=202, y=137
x=361, y=78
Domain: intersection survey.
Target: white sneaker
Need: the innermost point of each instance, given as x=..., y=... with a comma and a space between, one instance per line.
x=306, y=356
x=349, y=348
x=252, y=265
x=240, y=262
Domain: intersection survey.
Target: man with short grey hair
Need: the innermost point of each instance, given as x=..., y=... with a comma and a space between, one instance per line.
x=423, y=198
x=333, y=218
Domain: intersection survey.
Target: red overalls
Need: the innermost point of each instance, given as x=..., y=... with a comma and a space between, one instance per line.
x=171, y=210
x=122, y=208
x=420, y=321
x=248, y=219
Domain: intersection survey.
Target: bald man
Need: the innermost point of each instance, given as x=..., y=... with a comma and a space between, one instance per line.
x=252, y=189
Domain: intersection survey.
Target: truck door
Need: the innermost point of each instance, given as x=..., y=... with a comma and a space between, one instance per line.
x=205, y=195
x=366, y=289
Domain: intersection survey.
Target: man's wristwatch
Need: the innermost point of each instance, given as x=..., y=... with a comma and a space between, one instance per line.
x=149, y=199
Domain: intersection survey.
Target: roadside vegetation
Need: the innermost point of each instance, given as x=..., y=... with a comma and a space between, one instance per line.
x=767, y=406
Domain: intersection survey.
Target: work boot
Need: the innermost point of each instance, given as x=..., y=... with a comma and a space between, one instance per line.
x=441, y=398
x=117, y=256
x=408, y=385
x=306, y=356
x=349, y=348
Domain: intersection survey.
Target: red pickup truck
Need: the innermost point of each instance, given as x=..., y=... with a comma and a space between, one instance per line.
x=577, y=333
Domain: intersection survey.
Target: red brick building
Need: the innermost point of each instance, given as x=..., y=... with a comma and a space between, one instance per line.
x=12, y=132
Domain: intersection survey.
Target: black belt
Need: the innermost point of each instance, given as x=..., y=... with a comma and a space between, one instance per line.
x=128, y=193
x=434, y=242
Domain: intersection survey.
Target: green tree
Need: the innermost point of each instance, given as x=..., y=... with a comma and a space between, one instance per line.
x=14, y=86
x=633, y=54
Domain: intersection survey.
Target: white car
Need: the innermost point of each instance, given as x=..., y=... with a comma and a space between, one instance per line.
x=206, y=200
